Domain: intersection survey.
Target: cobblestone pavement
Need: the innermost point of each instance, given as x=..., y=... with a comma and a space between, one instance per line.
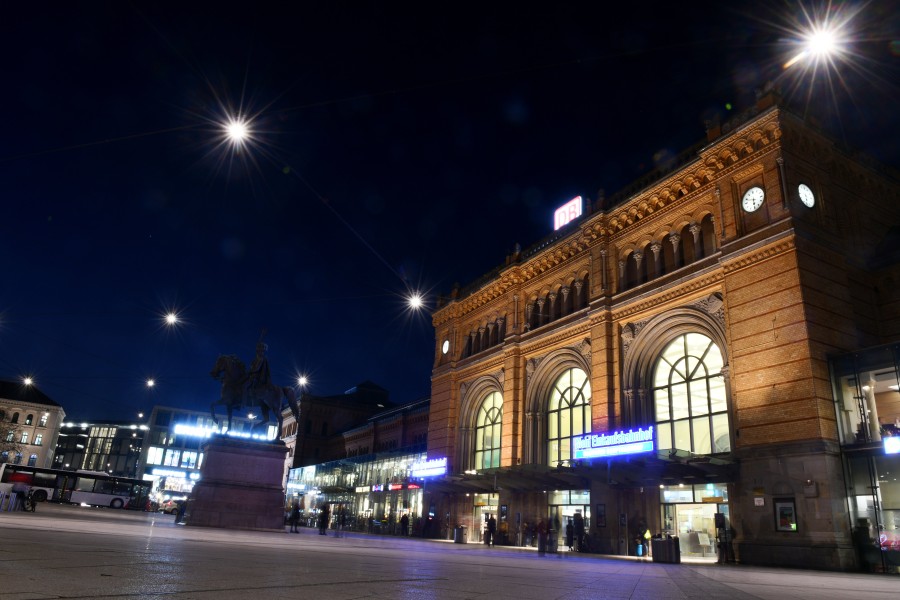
x=76, y=552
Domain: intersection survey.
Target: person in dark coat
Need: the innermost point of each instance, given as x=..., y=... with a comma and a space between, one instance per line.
x=294, y=518
x=491, y=531
x=570, y=534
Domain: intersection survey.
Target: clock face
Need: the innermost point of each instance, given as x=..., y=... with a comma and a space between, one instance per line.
x=445, y=347
x=753, y=199
x=806, y=195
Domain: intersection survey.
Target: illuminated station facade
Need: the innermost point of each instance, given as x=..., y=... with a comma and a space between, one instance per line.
x=710, y=354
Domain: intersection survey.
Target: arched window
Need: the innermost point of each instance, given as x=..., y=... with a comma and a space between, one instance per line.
x=689, y=397
x=32, y=460
x=29, y=419
x=488, y=428
x=15, y=418
x=568, y=414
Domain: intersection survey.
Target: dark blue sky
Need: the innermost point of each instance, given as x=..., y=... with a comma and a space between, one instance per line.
x=398, y=146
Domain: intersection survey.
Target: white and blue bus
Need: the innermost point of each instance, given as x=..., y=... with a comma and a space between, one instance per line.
x=77, y=487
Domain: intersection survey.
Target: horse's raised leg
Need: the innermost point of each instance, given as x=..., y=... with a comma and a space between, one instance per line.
x=212, y=411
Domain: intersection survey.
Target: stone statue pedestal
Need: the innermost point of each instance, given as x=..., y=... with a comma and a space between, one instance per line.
x=240, y=485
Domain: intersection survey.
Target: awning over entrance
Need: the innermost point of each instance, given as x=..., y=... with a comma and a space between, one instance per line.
x=667, y=467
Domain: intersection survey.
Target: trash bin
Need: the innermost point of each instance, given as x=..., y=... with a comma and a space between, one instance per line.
x=666, y=550
x=459, y=535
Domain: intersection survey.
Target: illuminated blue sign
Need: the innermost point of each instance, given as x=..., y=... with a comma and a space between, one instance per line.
x=892, y=445
x=618, y=443
x=429, y=468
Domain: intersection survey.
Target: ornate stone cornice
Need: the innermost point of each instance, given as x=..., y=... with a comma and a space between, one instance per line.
x=554, y=338
x=746, y=260
x=711, y=279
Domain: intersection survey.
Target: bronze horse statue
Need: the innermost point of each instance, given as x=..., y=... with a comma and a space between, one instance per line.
x=268, y=398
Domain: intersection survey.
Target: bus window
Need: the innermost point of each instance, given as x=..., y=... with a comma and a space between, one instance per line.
x=85, y=484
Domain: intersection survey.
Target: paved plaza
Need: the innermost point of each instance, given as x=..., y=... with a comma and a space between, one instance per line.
x=76, y=552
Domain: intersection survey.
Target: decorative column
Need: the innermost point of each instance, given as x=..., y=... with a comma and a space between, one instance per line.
x=565, y=299
x=695, y=230
x=628, y=409
x=655, y=247
x=529, y=308
x=603, y=286
x=553, y=309
x=621, y=275
x=638, y=257
x=577, y=299
x=675, y=239
x=540, y=315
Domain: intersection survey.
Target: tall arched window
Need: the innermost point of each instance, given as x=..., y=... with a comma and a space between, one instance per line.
x=689, y=396
x=568, y=414
x=488, y=428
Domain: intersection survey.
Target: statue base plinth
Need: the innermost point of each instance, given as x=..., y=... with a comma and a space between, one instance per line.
x=240, y=485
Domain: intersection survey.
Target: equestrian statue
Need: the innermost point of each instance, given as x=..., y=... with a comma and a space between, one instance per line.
x=251, y=390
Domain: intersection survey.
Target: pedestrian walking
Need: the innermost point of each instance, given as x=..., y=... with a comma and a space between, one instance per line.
x=570, y=534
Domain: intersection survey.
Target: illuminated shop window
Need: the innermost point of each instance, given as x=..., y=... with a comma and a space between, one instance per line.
x=155, y=455
x=487, y=432
x=568, y=414
x=689, y=397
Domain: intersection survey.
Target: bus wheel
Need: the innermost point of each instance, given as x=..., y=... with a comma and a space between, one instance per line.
x=116, y=503
x=39, y=496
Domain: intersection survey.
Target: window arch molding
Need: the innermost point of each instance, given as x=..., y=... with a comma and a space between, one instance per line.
x=635, y=402
x=473, y=396
x=539, y=386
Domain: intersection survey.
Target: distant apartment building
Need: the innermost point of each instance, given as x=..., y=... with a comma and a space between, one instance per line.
x=29, y=424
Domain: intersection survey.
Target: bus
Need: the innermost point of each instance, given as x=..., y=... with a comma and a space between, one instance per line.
x=77, y=487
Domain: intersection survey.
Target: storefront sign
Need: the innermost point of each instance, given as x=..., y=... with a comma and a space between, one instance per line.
x=613, y=444
x=567, y=213
x=429, y=468
x=892, y=445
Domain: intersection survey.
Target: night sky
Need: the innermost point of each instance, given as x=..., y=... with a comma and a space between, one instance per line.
x=395, y=147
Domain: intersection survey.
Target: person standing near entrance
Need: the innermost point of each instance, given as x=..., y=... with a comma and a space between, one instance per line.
x=294, y=518
x=491, y=531
x=542, y=533
x=570, y=534
x=579, y=530
x=404, y=525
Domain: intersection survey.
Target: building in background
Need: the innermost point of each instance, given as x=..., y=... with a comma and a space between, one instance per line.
x=317, y=438
x=29, y=425
x=661, y=362
x=171, y=455
x=372, y=480
x=113, y=447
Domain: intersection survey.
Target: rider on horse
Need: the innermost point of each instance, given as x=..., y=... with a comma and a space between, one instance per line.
x=260, y=376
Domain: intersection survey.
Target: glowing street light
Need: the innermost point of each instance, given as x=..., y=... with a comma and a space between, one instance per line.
x=27, y=380
x=415, y=301
x=820, y=43
x=151, y=383
x=302, y=380
x=237, y=131
x=172, y=319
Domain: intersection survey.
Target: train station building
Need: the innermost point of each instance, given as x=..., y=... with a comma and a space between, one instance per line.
x=710, y=354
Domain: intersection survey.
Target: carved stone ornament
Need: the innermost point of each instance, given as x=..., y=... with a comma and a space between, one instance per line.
x=499, y=377
x=462, y=389
x=530, y=366
x=629, y=332
x=585, y=349
x=714, y=306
